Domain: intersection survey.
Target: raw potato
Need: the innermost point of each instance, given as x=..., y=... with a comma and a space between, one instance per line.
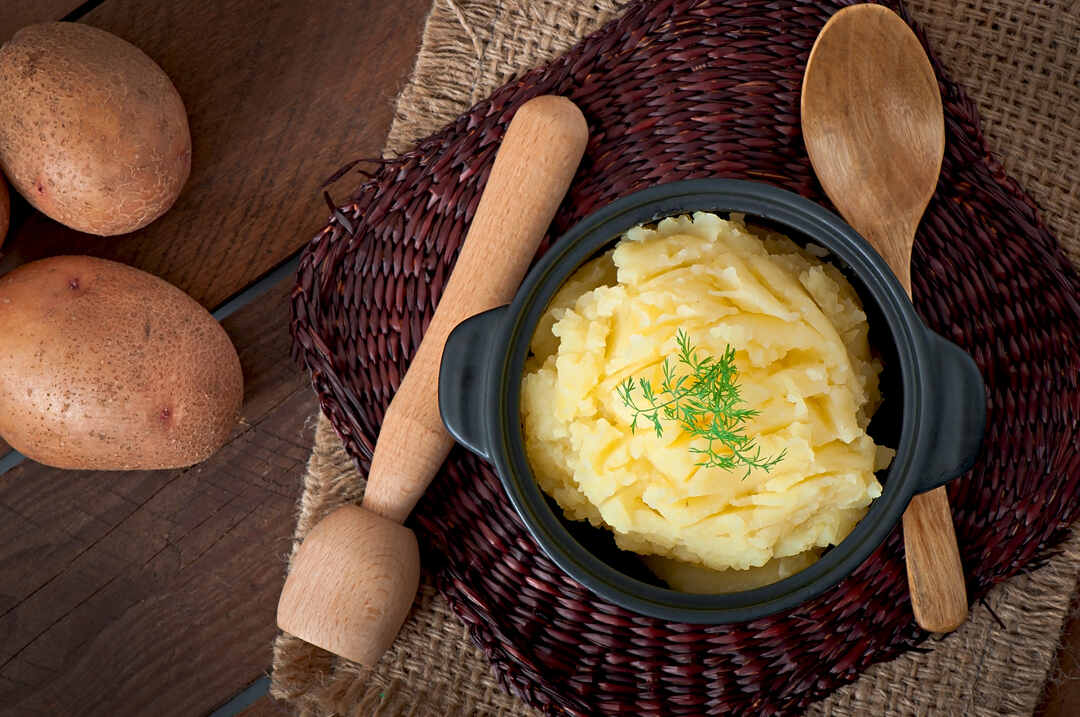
x=106, y=367
x=92, y=131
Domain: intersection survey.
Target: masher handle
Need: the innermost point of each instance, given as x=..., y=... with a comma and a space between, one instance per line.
x=533, y=167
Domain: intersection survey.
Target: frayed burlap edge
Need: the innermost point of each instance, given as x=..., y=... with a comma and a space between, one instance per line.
x=1023, y=74
x=471, y=47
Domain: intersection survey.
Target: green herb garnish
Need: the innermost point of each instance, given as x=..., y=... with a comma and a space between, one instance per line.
x=706, y=404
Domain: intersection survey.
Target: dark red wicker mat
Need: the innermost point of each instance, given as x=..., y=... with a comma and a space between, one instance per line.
x=675, y=90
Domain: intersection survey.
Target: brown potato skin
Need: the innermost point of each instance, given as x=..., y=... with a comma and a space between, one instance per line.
x=5, y=209
x=106, y=367
x=92, y=132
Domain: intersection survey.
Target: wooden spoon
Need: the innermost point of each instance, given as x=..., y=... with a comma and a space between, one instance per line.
x=354, y=578
x=874, y=128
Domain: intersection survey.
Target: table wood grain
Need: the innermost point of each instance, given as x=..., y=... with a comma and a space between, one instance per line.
x=15, y=14
x=279, y=95
x=130, y=591
x=154, y=592
x=1062, y=696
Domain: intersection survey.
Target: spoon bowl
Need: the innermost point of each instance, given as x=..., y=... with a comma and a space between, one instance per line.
x=874, y=127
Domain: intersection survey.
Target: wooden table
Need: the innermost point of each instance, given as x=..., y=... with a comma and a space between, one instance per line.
x=132, y=593
x=154, y=592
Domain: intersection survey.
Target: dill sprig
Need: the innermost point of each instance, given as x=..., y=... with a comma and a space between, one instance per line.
x=706, y=404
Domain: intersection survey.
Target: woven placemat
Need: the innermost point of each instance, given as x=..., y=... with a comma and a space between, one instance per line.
x=468, y=49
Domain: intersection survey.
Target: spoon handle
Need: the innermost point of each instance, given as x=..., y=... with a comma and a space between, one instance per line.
x=935, y=573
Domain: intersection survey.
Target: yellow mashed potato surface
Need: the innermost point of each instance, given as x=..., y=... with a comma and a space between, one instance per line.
x=804, y=362
x=690, y=578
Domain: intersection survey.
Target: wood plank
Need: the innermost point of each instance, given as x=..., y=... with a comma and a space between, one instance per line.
x=278, y=96
x=156, y=591
x=1062, y=697
x=266, y=707
x=15, y=14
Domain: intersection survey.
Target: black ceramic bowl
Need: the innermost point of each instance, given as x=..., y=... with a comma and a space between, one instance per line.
x=933, y=411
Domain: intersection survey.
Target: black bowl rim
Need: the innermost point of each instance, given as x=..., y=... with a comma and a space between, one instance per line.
x=583, y=240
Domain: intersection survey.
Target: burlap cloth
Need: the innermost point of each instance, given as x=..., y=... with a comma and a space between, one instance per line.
x=1019, y=61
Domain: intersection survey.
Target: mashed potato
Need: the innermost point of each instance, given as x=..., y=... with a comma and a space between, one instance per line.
x=804, y=362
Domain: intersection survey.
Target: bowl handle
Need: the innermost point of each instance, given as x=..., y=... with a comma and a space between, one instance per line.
x=959, y=423
x=463, y=400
